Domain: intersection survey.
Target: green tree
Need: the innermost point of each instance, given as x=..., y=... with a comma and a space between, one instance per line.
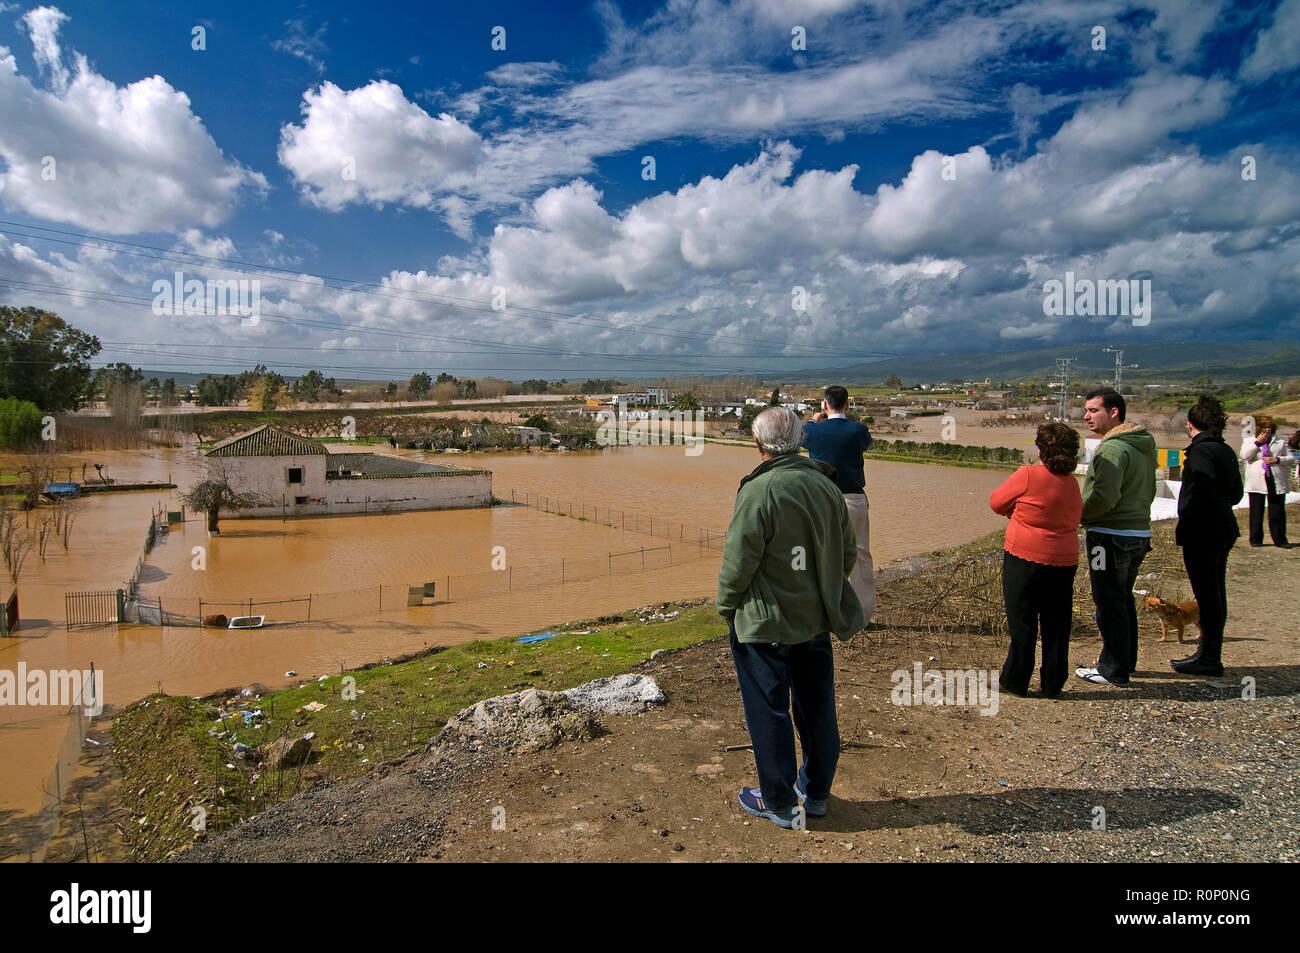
x=775, y=398
x=43, y=359
x=167, y=393
x=312, y=387
x=538, y=421
x=419, y=385
x=118, y=372
x=214, y=391
x=20, y=423
x=894, y=382
x=684, y=401
x=747, y=417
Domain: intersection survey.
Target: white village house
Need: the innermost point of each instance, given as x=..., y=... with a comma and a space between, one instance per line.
x=300, y=477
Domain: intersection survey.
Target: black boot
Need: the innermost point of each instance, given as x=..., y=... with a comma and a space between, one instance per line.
x=1204, y=662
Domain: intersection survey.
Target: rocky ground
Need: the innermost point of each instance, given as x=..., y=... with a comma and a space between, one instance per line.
x=1173, y=768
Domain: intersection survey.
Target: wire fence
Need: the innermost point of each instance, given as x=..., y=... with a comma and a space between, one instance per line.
x=157, y=528
x=28, y=838
x=682, y=544
x=640, y=523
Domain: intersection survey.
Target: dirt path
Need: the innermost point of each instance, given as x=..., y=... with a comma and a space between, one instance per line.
x=1183, y=768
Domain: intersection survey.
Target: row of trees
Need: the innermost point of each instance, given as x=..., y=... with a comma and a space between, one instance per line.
x=46, y=361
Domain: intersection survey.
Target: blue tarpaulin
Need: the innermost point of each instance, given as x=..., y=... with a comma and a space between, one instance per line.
x=63, y=490
x=529, y=639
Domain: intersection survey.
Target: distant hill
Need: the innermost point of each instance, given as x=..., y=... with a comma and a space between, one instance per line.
x=1222, y=360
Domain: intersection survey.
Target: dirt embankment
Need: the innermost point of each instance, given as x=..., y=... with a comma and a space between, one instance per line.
x=1173, y=768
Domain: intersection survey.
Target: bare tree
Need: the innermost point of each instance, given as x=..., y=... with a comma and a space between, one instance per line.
x=33, y=479
x=217, y=494
x=125, y=404
x=14, y=543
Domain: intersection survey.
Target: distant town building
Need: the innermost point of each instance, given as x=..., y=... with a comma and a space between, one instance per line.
x=530, y=436
x=644, y=398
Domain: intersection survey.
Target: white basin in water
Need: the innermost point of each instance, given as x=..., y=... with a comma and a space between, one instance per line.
x=246, y=622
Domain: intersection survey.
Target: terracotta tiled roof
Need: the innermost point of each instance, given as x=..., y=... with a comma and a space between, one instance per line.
x=265, y=441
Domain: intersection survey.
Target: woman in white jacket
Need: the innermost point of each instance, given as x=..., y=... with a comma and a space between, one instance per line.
x=1267, y=459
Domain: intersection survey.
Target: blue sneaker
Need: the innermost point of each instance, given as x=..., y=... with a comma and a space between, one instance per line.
x=813, y=807
x=751, y=799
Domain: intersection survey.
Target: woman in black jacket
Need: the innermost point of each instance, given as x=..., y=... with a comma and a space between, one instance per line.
x=1207, y=528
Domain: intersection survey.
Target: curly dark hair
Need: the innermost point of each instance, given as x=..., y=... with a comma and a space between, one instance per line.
x=1059, y=447
x=1293, y=441
x=1208, y=415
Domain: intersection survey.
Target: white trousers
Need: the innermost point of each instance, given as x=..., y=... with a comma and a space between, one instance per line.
x=863, y=576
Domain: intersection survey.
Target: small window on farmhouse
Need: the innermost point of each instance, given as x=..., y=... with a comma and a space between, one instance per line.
x=295, y=474
x=298, y=500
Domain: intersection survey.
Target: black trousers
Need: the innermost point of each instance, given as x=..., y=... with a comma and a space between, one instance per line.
x=1276, y=515
x=773, y=680
x=1207, y=571
x=1113, y=566
x=1039, y=599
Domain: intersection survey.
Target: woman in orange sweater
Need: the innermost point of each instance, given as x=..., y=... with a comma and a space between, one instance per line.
x=1041, y=558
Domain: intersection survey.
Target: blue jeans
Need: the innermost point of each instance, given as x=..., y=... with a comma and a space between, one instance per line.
x=1112, y=591
x=773, y=679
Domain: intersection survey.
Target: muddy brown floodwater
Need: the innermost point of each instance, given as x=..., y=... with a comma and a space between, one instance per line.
x=342, y=562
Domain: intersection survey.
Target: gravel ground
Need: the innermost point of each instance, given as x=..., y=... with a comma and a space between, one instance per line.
x=1184, y=769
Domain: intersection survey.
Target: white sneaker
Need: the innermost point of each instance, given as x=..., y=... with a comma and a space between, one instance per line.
x=1091, y=675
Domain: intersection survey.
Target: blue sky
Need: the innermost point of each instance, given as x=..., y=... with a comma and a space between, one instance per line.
x=904, y=183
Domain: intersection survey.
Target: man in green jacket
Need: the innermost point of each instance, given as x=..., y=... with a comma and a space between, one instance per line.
x=783, y=587
x=1117, y=495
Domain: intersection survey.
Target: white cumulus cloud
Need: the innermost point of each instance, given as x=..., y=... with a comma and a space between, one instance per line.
x=116, y=159
x=372, y=145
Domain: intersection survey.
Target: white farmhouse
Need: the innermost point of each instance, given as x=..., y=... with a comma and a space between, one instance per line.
x=299, y=477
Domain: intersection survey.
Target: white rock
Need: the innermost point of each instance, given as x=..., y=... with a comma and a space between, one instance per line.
x=618, y=695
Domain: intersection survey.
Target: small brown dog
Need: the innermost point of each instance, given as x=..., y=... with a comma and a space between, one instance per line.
x=1173, y=615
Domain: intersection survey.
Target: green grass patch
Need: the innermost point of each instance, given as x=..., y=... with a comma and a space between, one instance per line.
x=166, y=744
x=943, y=461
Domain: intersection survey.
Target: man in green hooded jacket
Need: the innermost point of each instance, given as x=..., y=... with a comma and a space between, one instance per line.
x=1117, y=495
x=783, y=587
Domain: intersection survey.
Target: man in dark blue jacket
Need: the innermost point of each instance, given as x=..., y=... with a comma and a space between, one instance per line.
x=832, y=438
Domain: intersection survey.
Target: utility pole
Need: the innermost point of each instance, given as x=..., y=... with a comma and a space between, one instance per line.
x=1063, y=400
x=1119, y=366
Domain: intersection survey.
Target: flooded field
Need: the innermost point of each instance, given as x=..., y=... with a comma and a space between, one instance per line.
x=970, y=430
x=556, y=568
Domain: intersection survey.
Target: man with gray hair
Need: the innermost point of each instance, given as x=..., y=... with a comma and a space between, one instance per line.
x=783, y=587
